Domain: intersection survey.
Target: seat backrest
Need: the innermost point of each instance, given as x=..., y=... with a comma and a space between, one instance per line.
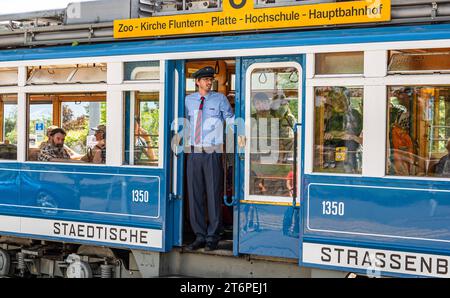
x=33, y=154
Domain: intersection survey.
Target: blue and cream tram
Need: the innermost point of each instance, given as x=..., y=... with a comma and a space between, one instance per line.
x=350, y=174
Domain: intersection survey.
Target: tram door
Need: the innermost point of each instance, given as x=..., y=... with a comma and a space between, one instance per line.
x=269, y=156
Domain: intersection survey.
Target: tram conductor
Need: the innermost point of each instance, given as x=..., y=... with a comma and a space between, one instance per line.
x=206, y=110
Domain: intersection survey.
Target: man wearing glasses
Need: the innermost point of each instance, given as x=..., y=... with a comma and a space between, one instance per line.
x=206, y=111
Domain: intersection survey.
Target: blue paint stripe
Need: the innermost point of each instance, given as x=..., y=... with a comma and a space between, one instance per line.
x=299, y=38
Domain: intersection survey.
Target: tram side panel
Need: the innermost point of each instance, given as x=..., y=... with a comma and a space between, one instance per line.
x=377, y=220
x=269, y=230
x=104, y=207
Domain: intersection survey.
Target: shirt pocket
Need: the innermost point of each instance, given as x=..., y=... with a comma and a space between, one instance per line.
x=211, y=113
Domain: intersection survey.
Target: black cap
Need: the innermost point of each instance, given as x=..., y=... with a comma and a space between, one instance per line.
x=205, y=72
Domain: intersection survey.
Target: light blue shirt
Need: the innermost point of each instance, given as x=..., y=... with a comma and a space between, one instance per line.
x=216, y=109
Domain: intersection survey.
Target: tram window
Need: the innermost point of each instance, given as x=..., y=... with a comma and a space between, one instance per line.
x=142, y=70
x=339, y=63
x=8, y=111
x=274, y=111
x=143, y=120
x=419, y=61
x=418, y=139
x=8, y=76
x=338, y=130
x=67, y=74
x=81, y=115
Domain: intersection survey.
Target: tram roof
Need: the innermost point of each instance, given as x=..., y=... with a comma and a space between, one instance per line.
x=244, y=41
x=95, y=25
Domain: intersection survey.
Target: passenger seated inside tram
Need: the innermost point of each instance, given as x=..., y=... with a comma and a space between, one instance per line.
x=97, y=152
x=143, y=143
x=54, y=149
x=73, y=154
x=402, y=147
x=442, y=168
x=8, y=151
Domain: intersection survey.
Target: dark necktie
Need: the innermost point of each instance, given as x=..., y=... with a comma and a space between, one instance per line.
x=198, y=126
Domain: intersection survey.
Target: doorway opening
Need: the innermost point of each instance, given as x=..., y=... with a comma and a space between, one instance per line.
x=225, y=83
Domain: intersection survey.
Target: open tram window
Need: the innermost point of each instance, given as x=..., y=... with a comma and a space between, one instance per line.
x=66, y=74
x=274, y=112
x=338, y=130
x=81, y=116
x=8, y=76
x=419, y=61
x=8, y=126
x=142, y=146
x=418, y=138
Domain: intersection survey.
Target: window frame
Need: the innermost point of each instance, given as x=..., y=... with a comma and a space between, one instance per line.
x=250, y=69
x=131, y=114
x=313, y=127
x=425, y=178
x=57, y=116
x=375, y=81
x=114, y=89
x=157, y=86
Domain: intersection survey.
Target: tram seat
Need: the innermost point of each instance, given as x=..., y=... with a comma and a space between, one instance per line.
x=33, y=154
x=8, y=151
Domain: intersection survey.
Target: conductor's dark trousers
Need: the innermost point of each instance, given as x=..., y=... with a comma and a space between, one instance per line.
x=205, y=180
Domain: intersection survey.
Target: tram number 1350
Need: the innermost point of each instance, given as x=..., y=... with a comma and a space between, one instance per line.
x=139, y=196
x=333, y=208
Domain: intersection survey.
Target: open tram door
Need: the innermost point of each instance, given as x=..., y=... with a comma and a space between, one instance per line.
x=270, y=94
x=184, y=84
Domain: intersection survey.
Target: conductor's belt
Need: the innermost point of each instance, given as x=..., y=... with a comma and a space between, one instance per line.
x=207, y=149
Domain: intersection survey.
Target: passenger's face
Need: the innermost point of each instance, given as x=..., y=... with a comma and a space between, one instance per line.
x=262, y=105
x=338, y=106
x=205, y=84
x=99, y=135
x=58, y=139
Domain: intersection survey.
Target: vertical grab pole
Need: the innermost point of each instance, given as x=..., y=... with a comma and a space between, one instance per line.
x=294, y=179
x=225, y=196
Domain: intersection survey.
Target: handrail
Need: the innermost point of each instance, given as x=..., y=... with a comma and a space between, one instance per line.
x=294, y=178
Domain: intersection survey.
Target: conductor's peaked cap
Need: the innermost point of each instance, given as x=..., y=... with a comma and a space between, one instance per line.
x=205, y=72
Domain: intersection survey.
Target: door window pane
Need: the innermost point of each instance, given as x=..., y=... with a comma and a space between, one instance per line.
x=418, y=131
x=274, y=112
x=338, y=130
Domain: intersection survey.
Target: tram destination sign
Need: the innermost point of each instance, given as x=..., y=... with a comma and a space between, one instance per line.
x=241, y=15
